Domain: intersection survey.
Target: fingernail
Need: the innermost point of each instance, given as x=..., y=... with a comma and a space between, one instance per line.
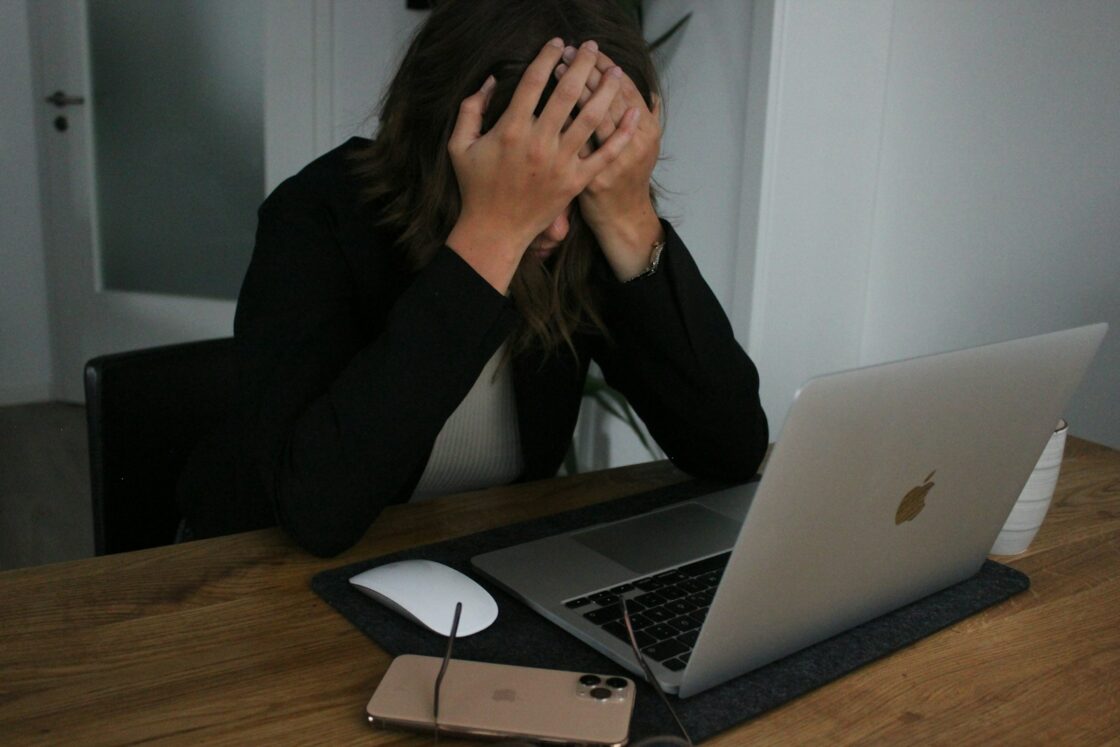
x=569, y=54
x=556, y=42
x=590, y=45
x=561, y=69
x=488, y=83
x=615, y=72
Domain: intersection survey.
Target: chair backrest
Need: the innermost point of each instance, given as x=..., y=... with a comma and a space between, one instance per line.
x=146, y=411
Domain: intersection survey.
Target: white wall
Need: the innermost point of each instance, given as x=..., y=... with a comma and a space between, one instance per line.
x=938, y=175
x=364, y=70
x=998, y=210
x=825, y=78
x=704, y=72
x=24, y=339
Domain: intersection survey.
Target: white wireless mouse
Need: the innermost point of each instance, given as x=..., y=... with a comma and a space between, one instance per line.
x=426, y=592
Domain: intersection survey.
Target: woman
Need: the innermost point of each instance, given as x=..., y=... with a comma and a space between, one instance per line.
x=420, y=311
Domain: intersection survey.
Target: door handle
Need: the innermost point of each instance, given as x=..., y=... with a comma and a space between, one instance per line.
x=61, y=100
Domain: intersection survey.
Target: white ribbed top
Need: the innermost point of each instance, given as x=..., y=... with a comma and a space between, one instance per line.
x=480, y=445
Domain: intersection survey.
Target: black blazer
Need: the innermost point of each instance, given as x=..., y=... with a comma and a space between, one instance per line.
x=349, y=366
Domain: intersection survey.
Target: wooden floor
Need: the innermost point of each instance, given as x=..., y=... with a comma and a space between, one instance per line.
x=44, y=485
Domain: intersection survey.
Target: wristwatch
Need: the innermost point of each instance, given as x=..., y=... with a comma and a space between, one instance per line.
x=654, y=260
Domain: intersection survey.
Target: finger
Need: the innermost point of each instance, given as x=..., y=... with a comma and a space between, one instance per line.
x=468, y=125
x=567, y=91
x=615, y=111
x=617, y=107
x=602, y=65
x=593, y=114
x=588, y=88
x=533, y=81
x=613, y=147
x=631, y=95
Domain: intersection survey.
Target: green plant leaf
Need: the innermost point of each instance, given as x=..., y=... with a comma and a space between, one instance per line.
x=653, y=45
x=630, y=419
x=615, y=404
x=593, y=385
x=571, y=461
x=633, y=8
x=600, y=399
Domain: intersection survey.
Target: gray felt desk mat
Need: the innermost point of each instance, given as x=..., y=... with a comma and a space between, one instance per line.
x=522, y=637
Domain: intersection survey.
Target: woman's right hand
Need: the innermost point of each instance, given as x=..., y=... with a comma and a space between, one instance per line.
x=515, y=179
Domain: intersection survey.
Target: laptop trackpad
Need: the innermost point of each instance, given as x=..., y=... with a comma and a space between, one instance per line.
x=664, y=538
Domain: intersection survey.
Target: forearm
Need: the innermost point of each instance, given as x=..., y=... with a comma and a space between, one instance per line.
x=492, y=251
x=337, y=440
x=627, y=241
x=674, y=355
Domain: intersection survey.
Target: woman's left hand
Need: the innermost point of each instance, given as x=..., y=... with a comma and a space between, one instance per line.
x=616, y=204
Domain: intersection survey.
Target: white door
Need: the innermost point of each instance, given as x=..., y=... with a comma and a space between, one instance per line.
x=151, y=181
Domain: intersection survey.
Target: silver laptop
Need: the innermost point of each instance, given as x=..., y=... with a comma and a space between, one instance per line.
x=888, y=483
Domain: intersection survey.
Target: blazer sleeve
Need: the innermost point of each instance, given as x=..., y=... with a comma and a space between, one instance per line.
x=340, y=406
x=672, y=353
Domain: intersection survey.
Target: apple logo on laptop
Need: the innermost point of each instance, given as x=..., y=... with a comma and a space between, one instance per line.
x=914, y=501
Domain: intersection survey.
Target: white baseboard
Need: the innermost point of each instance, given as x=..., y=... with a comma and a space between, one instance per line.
x=22, y=394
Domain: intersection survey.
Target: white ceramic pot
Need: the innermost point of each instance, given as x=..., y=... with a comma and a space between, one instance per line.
x=1033, y=503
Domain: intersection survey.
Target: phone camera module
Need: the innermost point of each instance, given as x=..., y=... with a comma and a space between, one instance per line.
x=603, y=689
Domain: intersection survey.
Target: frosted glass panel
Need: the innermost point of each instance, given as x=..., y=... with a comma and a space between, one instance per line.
x=177, y=96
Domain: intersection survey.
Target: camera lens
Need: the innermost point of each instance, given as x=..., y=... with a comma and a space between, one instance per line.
x=600, y=693
x=588, y=680
x=616, y=683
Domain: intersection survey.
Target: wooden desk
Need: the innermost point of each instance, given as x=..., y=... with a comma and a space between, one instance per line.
x=222, y=641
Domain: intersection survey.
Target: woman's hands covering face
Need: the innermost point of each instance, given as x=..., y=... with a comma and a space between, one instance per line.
x=616, y=203
x=515, y=179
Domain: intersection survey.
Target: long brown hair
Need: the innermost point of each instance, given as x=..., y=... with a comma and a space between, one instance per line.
x=407, y=167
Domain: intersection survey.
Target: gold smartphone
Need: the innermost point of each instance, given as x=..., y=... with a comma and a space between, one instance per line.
x=502, y=701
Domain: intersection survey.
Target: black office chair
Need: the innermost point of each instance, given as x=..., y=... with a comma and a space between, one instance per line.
x=146, y=410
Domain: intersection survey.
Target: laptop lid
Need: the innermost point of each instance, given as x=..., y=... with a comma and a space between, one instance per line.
x=823, y=528
x=821, y=548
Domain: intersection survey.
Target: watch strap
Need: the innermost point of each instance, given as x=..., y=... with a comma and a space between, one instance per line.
x=654, y=260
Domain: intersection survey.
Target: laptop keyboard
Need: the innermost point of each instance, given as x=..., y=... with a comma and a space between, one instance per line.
x=666, y=609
